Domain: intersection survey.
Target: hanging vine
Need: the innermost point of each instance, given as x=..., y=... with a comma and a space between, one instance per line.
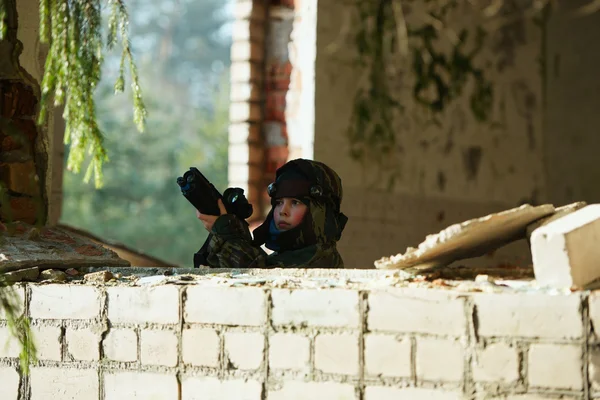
x=73, y=30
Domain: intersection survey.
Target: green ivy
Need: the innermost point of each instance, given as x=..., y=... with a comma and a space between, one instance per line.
x=372, y=131
x=73, y=30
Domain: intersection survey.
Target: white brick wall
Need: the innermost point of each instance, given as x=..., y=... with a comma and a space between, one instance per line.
x=9, y=345
x=594, y=310
x=64, y=302
x=83, y=344
x=387, y=356
x=313, y=346
x=64, y=383
x=140, y=386
x=159, y=304
x=439, y=360
x=201, y=347
x=158, y=347
x=294, y=390
x=337, y=353
x=419, y=311
x=121, y=345
x=9, y=383
x=208, y=388
x=245, y=350
x=310, y=307
x=555, y=366
x=47, y=341
x=391, y=393
x=498, y=362
x=225, y=305
x=529, y=315
x=289, y=351
x=18, y=293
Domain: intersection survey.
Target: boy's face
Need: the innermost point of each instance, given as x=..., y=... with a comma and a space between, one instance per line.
x=288, y=213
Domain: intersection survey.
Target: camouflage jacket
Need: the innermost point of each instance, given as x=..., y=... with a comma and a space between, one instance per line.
x=230, y=246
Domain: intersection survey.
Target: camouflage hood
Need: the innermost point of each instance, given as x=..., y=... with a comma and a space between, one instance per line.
x=320, y=188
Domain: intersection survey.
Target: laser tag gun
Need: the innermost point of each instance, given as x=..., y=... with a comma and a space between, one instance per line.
x=204, y=197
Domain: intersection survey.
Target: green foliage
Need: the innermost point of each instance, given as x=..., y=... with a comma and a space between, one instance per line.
x=140, y=203
x=18, y=324
x=73, y=28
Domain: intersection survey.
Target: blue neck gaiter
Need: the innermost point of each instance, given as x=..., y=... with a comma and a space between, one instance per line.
x=271, y=242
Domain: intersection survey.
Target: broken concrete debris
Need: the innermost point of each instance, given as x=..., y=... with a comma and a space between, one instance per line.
x=564, y=243
x=566, y=251
x=53, y=275
x=98, y=277
x=472, y=238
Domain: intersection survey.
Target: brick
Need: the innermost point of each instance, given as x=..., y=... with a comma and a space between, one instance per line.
x=245, y=92
x=158, y=347
x=64, y=302
x=245, y=71
x=247, y=30
x=594, y=311
x=555, y=366
x=289, y=351
x=565, y=252
x=529, y=315
x=121, y=345
x=9, y=345
x=244, y=133
x=439, y=360
x=498, y=362
x=245, y=112
x=594, y=368
x=535, y=397
x=244, y=173
x=247, y=51
x=245, y=350
x=208, y=388
x=17, y=296
x=417, y=311
x=225, y=305
x=387, y=356
x=83, y=344
x=327, y=308
x=21, y=177
x=201, y=347
x=64, y=383
x=250, y=10
x=9, y=383
x=245, y=153
x=295, y=390
x=337, y=353
x=23, y=209
x=392, y=393
x=158, y=304
x=140, y=386
x=47, y=341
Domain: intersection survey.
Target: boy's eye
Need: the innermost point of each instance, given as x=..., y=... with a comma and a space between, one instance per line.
x=296, y=202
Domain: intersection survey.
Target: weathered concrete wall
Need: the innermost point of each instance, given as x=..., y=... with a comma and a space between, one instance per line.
x=573, y=94
x=461, y=170
x=325, y=336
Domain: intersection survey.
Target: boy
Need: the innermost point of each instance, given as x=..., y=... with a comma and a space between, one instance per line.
x=302, y=227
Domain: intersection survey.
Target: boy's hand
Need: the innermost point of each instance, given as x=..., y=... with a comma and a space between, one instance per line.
x=209, y=220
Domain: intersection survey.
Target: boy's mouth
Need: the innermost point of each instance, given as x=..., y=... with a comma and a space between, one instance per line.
x=283, y=225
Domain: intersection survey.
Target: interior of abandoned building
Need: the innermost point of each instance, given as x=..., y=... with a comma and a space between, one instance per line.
x=453, y=259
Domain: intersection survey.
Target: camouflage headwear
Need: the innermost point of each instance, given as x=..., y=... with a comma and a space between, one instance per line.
x=323, y=222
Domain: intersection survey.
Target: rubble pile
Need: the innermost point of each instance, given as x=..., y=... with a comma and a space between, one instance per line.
x=564, y=243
